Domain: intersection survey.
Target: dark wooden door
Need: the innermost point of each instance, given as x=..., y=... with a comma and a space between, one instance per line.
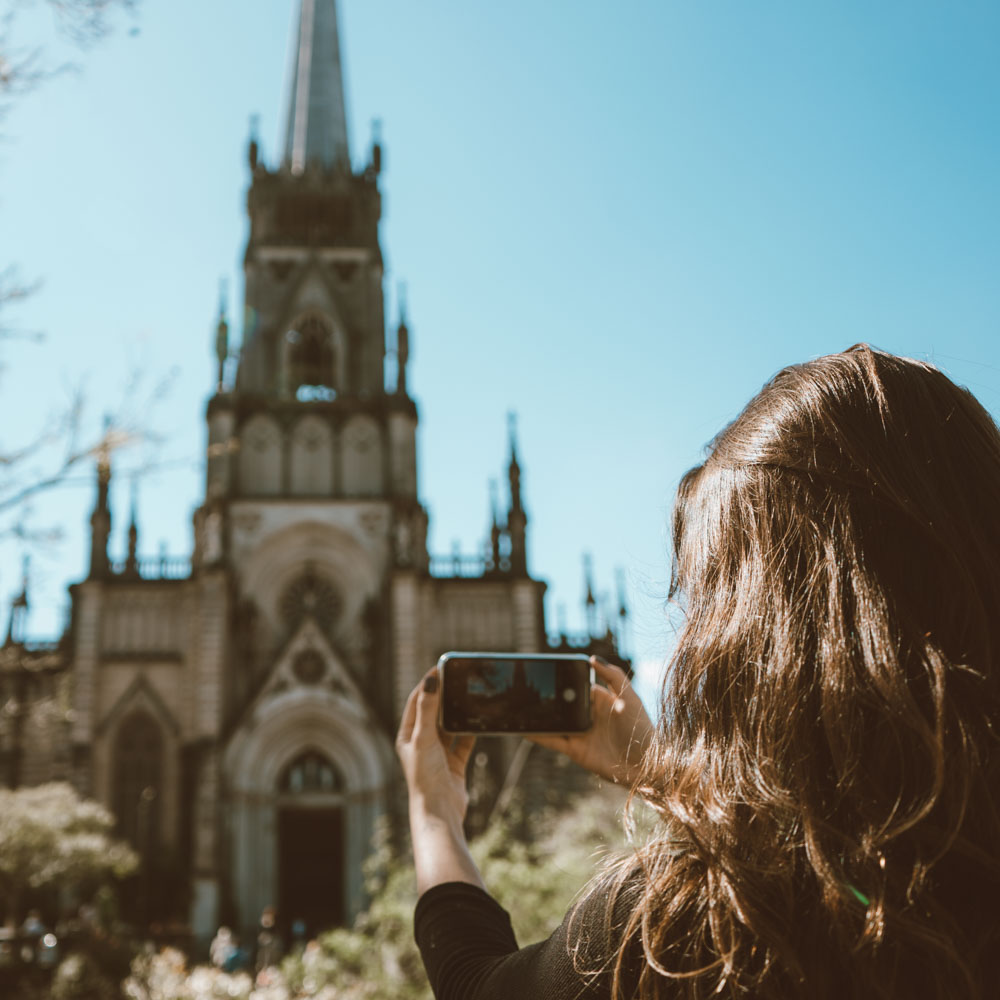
x=310, y=869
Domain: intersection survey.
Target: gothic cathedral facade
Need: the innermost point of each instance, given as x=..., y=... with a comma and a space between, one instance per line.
x=236, y=710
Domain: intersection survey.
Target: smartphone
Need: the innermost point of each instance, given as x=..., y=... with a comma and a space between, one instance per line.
x=515, y=693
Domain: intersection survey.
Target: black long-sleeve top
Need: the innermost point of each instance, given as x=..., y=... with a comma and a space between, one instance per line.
x=470, y=952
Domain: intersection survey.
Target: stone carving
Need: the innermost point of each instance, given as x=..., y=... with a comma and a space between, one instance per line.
x=246, y=523
x=403, y=539
x=312, y=595
x=309, y=666
x=213, y=538
x=372, y=521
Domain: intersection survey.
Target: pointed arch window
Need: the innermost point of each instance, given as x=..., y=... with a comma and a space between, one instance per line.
x=311, y=361
x=310, y=772
x=138, y=779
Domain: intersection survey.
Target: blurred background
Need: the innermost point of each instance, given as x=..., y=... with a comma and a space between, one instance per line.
x=617, y=221
x=614, y=221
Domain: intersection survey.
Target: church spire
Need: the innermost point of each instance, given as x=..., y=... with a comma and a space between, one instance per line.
x=222, y=338
x=316, y=128
x=513, y=468
x=517, y=519
x=496, y=532
x=132, y=559
x=589, y=601
x=100, y=519
x=402, y=344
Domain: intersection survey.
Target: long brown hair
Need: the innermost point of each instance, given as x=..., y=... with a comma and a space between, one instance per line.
x=826, y=760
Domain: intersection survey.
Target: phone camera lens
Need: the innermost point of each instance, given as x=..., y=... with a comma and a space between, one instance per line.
x=569, y=694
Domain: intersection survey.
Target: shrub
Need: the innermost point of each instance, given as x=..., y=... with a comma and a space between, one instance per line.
x=533, y=865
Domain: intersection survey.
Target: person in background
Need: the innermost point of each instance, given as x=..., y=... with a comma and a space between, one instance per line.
x=221, y=949
x=824, y=764
x=269, y=949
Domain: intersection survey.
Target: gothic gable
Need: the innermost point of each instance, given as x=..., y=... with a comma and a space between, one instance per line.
x=309, y=663
x=139, y=696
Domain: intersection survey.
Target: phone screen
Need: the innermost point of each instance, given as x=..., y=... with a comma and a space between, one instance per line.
x=492, y=693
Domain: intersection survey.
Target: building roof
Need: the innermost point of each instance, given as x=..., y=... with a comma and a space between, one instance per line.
x=316, y=127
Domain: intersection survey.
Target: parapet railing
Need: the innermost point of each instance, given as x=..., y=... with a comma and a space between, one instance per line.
x=459, y=565
x=160, y=567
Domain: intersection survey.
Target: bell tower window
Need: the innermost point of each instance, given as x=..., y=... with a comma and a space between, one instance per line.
x=311, y=362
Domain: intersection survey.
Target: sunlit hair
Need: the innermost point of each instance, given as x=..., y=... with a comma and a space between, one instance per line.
x=826, y=762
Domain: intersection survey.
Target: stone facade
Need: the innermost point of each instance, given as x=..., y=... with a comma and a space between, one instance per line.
x=228, y=705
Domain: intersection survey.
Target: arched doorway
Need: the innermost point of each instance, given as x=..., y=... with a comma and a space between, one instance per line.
x=310, y=846
x=259, y=761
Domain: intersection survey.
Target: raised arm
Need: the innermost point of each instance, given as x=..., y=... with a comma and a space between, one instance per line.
x=465, y=937
x=434, y=765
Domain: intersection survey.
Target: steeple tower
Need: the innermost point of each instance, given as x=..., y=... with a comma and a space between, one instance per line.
x=316, y=126
x=307, y=411
x=314, y=329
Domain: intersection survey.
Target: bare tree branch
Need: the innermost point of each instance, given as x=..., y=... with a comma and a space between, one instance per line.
x=50, y=458
x=12, y=291
x=24, y=65
x=47, y=458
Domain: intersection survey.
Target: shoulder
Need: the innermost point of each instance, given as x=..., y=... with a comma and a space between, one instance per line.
x=605, y=925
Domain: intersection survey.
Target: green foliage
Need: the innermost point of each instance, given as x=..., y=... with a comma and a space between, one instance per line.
x=164, y=975
x=80, y=977
x=49, y=835
x=533, y=866
x=537, y=877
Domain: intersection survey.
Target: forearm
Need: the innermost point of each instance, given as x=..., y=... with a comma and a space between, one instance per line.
x=440, y=851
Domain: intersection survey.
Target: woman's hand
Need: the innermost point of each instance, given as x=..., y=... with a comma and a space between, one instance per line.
x=613, y=746
x=434, y=765
x=433, y=762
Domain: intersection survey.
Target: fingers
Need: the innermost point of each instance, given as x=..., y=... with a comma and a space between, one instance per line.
x=409, y=717
x=461, y=749
x=414, y=719
x=425, y=725
x=614, y=677
x=605, y=703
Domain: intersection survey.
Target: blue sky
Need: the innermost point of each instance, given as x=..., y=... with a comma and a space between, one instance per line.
x=617, y=220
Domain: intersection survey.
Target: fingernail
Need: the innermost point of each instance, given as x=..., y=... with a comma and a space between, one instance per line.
x=431, y=683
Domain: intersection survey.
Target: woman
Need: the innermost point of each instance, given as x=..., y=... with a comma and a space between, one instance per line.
x=825, y=762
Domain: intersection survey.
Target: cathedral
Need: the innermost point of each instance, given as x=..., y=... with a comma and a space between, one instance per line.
x=236, y=710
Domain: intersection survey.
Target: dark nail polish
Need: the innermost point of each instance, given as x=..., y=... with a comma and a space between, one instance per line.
x=431, y=683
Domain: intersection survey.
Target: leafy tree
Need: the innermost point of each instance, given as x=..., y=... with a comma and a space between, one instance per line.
x=535, y=866
x=80, y=977
x=48, y=836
